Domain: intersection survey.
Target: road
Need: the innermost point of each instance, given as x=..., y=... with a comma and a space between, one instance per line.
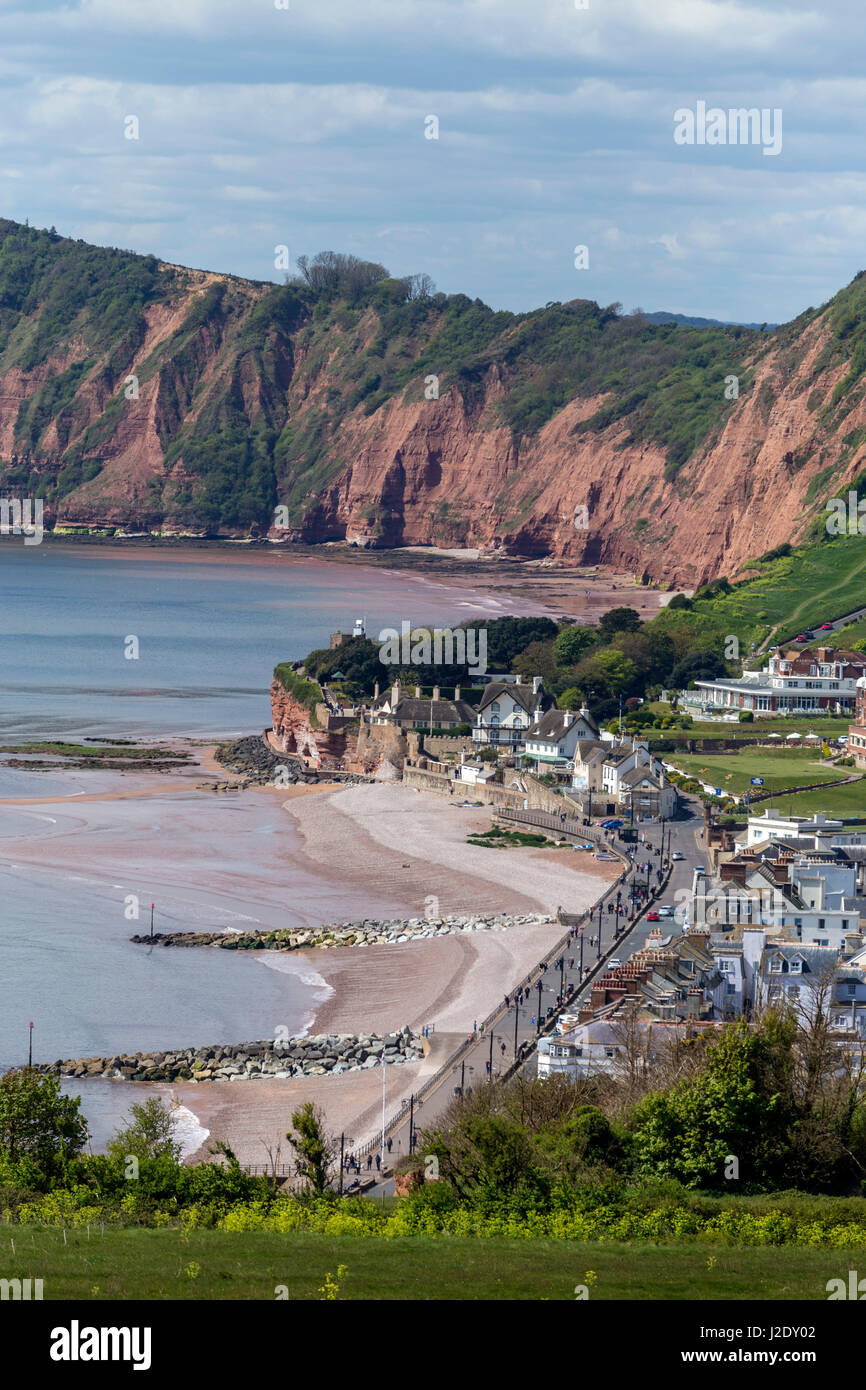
x=518, y=1021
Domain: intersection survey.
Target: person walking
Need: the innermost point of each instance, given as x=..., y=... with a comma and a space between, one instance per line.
x=388, y=1145
x=369, y=1162
x=378, y=1164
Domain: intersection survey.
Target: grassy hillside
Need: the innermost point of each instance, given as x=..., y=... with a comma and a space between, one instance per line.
x=811, y=585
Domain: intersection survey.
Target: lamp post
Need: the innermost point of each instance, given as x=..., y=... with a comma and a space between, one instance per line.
x=539, y=987
x=490, y=1062
x=344, y=1138
x=30, y=1047
x=516, y=1020
x=411, y=1122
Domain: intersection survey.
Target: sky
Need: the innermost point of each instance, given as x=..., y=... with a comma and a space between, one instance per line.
x=306, y=124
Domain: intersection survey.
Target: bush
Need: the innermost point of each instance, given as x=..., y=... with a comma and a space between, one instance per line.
x=746, y=716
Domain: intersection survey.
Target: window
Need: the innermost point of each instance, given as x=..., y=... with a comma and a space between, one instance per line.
x=731, y=988
x=776, y=965
x=793, y=991
x=796, y=966
x=852, y=990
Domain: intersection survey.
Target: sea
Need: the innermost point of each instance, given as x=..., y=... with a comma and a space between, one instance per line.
x=108, y=642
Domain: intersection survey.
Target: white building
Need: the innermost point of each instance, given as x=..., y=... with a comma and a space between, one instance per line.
x=815, y=832
x=555, y=736
x=795, y=681
x=506, y=710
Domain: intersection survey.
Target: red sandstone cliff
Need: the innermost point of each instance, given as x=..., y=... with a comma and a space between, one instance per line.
x=252, y=396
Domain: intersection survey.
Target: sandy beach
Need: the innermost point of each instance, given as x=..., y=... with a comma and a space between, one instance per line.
x=334, y=853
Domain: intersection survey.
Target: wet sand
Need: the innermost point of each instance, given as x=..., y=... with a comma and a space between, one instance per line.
x=334, y=853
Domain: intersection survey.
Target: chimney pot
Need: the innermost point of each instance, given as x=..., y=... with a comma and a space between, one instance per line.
x=417, y=692
x=457, y=692
x=435, y=692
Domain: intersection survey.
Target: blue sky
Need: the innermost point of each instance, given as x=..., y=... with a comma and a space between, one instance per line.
x=305, y=126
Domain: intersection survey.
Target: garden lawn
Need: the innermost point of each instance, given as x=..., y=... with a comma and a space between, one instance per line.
x=780, y=768
x=139, y=1263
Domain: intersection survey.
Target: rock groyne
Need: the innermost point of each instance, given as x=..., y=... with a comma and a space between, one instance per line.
x=365, y=933
x=273, y=1057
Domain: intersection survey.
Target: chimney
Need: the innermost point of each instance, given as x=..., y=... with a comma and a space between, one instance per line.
x=376, y=691
x=583, y=710
x=537, y=682
x=417, y=692
x=569, y=718
x=518, y=680
x=395, y=694
x=457, y=692
x=435, y=692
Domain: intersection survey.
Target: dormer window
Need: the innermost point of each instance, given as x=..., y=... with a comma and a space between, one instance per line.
x=776, y=965
x=796, y=966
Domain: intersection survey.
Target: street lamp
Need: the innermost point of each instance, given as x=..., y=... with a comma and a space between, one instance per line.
x=344, y=1140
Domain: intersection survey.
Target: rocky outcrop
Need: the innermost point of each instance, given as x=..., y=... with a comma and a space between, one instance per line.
x=307, y=1056
x=292, y=725
x=365, y=933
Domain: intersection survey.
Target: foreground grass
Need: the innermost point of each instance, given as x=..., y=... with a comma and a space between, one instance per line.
x=169, y=1264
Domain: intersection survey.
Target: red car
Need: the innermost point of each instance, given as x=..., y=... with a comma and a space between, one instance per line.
x=652, y=916
x=801, y=638
x=826, y=627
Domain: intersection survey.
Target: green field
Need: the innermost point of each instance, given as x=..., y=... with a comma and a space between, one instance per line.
x=135, y=1263
x=842, y=802
x=780, y=768
x=814, y=584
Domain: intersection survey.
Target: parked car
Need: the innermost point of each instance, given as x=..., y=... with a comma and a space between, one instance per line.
x=801, y=637
x=666, y=910
x=614, y=963
x=677, y=855
x=652, y=915
x=826, y=627
x=700, y=870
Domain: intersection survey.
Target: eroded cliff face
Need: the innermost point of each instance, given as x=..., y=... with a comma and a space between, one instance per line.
x=363, y=750
x=425, y=473
x=226, y=407
x=292, y=727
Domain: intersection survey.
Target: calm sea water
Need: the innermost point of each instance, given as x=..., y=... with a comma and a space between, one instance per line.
x=210, y=629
